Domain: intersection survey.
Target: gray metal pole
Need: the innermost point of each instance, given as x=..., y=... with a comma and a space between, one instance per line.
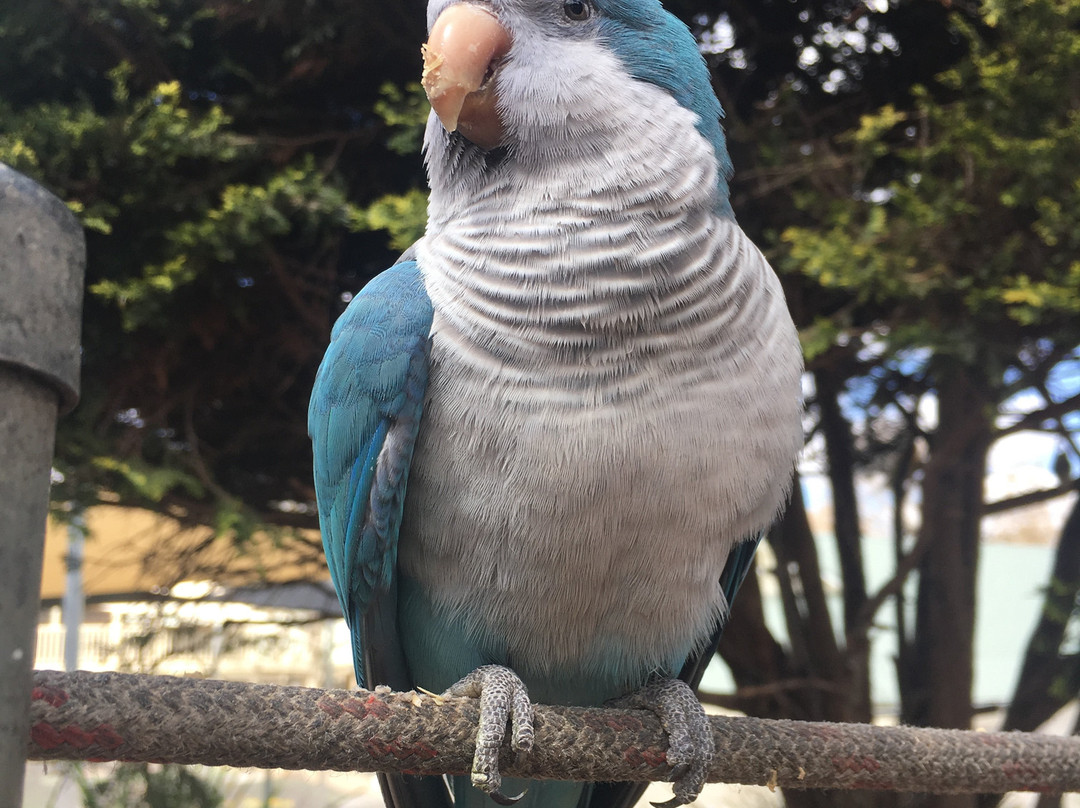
x=42, y=258
x=73, y=603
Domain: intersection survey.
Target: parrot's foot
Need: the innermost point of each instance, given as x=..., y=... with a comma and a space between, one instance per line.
x=690, y=740
x=503, y=698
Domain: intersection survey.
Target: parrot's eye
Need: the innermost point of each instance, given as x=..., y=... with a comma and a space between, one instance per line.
x=576, y=10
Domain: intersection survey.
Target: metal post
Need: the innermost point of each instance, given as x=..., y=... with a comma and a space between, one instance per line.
x=73, y=604
x=42, y=258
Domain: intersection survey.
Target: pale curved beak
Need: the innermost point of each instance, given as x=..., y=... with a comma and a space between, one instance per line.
x=460, y=58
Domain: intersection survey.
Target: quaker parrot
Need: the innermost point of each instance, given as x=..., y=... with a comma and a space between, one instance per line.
x=547, y=440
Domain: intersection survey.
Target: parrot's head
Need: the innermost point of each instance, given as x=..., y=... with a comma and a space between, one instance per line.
x=543, y=78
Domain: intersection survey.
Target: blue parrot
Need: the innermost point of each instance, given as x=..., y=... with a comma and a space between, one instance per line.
x=547, y=440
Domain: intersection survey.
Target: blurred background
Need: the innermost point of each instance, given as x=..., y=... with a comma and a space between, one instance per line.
x=243, y=167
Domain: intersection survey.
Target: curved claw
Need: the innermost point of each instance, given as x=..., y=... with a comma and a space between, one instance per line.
x=503, y=699
x=502, y=799
x=674, y=802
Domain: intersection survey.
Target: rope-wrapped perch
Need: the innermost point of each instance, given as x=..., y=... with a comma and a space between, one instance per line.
x=137, y=717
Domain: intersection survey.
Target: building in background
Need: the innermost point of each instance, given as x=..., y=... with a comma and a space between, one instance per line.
x=162, y=598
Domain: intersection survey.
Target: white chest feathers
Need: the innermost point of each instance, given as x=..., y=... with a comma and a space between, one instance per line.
x=577, y=489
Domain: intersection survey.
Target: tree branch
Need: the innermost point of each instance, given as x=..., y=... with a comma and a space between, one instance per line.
x=746, y=693
x=891, y=587
x=1030, y=498
x=1034, y=420
x=136, y=717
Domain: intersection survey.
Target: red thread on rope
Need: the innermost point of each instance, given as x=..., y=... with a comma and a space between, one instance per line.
x=379, y=748
x=423, y=751
x=826, y=732
x=77, y=736
x=419, y=752
x=44, y=734
x=106, y=737
x=53, y=696
x=647, y=756
x=102, y=736
x=330, y=707
x=371, y=706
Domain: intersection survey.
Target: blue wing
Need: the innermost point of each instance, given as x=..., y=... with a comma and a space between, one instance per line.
x=363, y=419
x=736, y=568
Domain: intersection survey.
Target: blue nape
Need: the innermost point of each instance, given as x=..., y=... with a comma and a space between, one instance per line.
x=655, y=46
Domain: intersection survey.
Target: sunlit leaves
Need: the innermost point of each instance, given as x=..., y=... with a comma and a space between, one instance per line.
x=405, y=112
x=295, y=200
x=982, y=220
x=403, y=216
x=92, y=158
x=151, y=482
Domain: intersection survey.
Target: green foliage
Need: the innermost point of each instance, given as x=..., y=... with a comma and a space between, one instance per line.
x=295, y=200
x=141, y=157
x=151, y=482
x=405, y=112
x=933, y=250
x=967, y=207
x=818, y=337
x=403, y=216
x=235, y=170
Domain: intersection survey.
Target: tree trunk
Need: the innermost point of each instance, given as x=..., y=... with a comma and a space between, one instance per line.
x=1048, y=679
x=935, y=683
x=811, y=681
x=757, y=661
x=813, y=640
x=841, y=457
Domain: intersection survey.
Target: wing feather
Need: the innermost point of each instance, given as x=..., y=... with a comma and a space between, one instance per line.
x=363, y=418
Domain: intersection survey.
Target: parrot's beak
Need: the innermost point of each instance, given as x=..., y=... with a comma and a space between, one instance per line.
x=462, y=52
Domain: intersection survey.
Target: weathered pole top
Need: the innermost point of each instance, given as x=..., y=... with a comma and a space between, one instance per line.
x=40, y=317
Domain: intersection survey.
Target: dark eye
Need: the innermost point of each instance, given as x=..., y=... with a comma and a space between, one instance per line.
x=576, y=10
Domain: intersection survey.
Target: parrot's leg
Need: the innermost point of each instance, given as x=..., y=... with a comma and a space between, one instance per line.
x=690, y=741
x=503, y=698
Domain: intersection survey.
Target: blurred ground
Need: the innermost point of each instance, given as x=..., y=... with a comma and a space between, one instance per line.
x=250, y=788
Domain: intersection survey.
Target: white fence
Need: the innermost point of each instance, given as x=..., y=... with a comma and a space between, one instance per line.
x=211, y=642
x=96, y=644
